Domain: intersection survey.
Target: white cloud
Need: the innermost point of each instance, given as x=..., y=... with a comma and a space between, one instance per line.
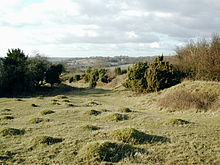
x=59, y=27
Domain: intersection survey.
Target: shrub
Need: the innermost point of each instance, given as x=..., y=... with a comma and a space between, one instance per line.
x=137, y=77
x=133, y=136
x=45, y=140
x=11, y=132
x=117, y=117
x=161, y=75
x=77, y=77
x=93, y=112
x=46, y=112
x=107, y=151
x=200, y=60
x=183, y=100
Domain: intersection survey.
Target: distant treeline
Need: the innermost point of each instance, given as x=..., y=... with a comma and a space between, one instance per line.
x=20, y=73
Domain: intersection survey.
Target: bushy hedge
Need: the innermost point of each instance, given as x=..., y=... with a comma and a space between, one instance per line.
x=200, y=60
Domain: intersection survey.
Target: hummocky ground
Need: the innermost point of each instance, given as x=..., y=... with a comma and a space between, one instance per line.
x=75, y=125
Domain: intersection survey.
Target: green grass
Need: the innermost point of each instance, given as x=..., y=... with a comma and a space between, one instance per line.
x=149, y=134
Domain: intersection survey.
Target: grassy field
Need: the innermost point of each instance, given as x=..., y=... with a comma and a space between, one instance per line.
x=92, y=126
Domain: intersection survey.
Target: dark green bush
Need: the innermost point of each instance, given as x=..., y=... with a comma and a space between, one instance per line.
x=159, y=74
x=137, y=77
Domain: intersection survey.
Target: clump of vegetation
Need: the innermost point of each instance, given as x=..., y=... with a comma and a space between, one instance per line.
x=70, y=105
x=40, y=97
x=183, y=100
x=11, y=132
x=6, y=110
x=17, y=99
x=6, y=113
x=175, y=121
x=133, y=136
x=137, y=77
x=7, y=117
x=34, y=105
x=66, y=100
x=130, y=135
x=61, y=97
x=93, y=112
x=91, y=103
x=45, y=140
x=27, y=73
x=144, y=77
x=200, y=60
x=105, y=151
x=117, y=117
x=90, y=127
x=36, y=120
x=47, y=111
x=92, y=76
x=125, y=110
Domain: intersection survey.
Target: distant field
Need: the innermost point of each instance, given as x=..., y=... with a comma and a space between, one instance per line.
x=82, y=126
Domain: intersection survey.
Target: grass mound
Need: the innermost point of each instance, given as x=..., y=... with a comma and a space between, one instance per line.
x=199, y=95
x=174, y=121
x=184, y=100
x=7, y=117
x=66, y=101
x=6, y=110
x=117, y=117
x=90, y=127
x=125, y=110
x=106, y=151
x=11, y=132
x=45, y=140
x=133, y=136
x=61, y=97
x=46, y=112
x=91, y=103
x=34, y=105
x=36, y=120
x=93, y=112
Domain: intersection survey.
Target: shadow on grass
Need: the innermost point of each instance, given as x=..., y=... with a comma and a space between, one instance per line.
x=61, y=89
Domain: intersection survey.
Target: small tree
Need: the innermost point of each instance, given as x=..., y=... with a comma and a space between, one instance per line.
x=37, y=68
x=53, y=74
x=14, y=66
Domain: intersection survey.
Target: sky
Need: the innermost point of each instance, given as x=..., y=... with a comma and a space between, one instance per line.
x=83, y=28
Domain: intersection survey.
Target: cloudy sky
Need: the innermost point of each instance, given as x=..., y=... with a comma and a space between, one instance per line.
x=76, y=28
